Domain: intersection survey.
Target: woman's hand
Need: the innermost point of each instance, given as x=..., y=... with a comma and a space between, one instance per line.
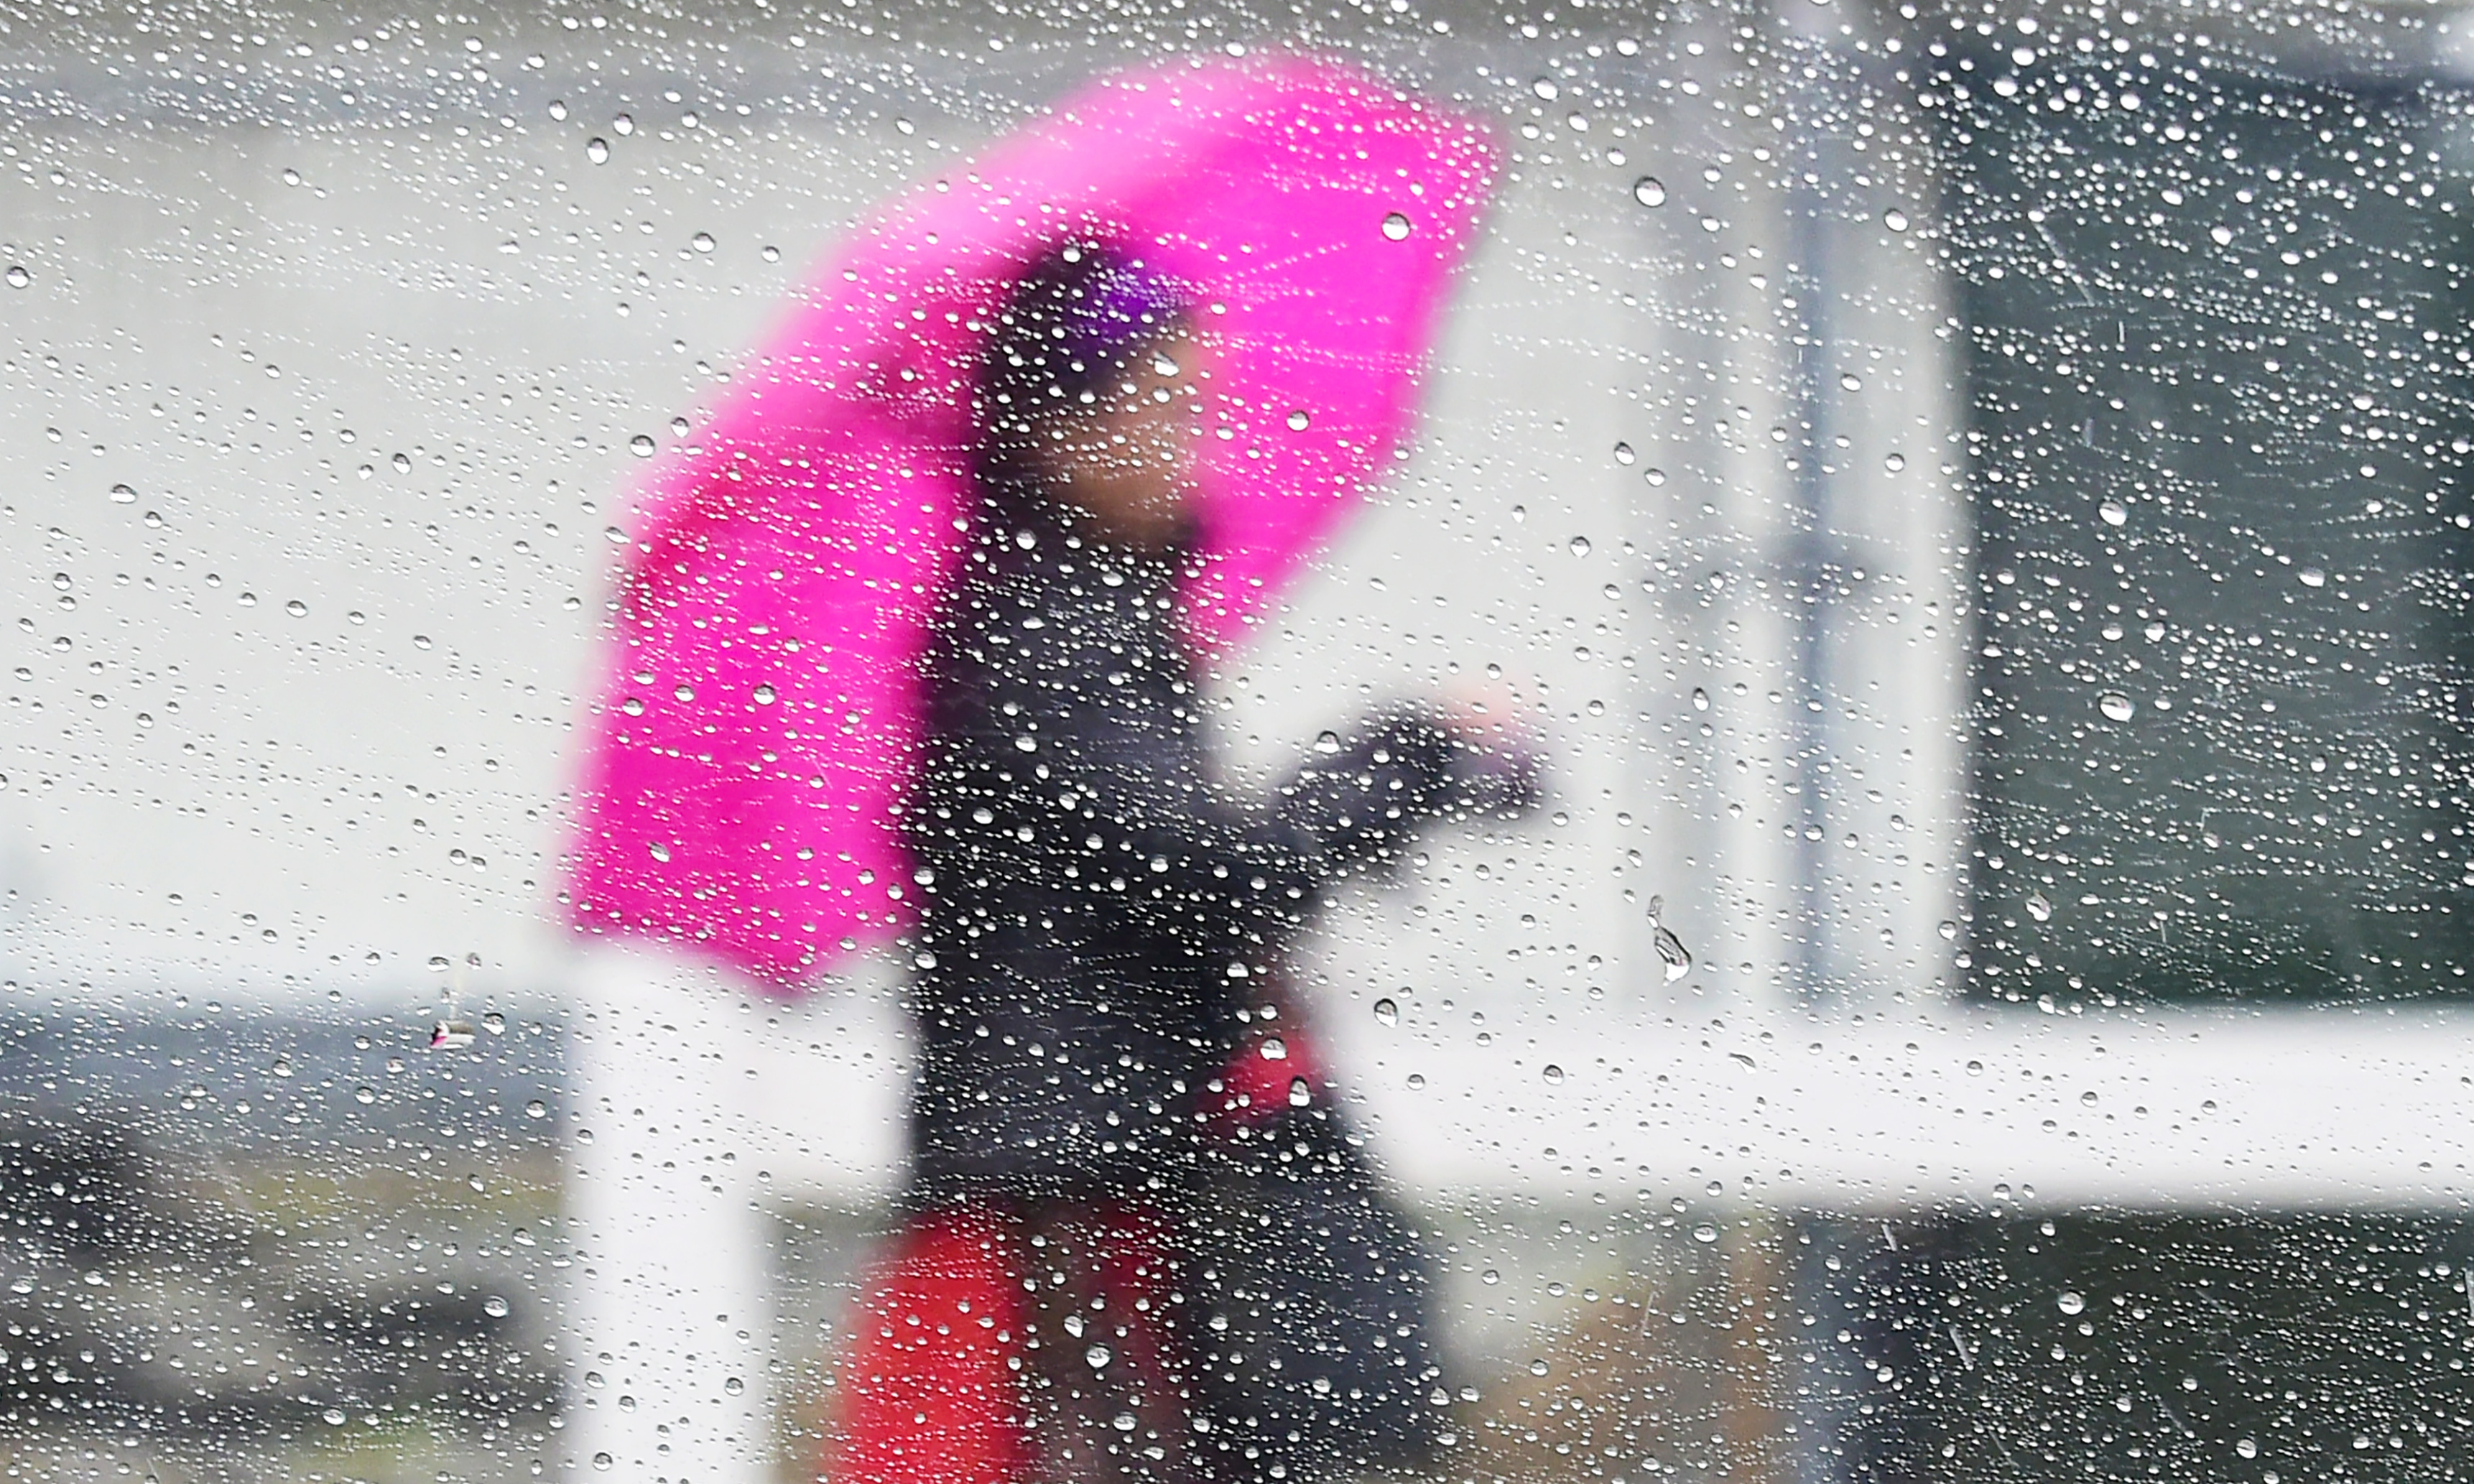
x=1502, y=748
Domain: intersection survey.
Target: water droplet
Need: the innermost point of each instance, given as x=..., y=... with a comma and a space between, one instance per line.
x=764, y=695
x=2114, y=512
x=1851, y=381
x=283, y=1067
x=537, y=1108
x=495, y=1306
x=1545, y=88
x=623, y=125
x=2038, y=907
x=421, y=641
x=558, y=109
x=2247, y=1447
x=1553, y=1074
x=1624, y=454
x=601, y=1460
x=1299, y=420
x=1700, y=698
x=1538, y=1368
x=1671, y=951
x=1098, y=1358
x=1894, y=462
x=17, y=276
x=641, y=445
x=1491, y=1276
x=2312, y=577
x=1387, y=1011
x=297, y=608
x=733, y=1387
x=1648, y=191
x=1895, y=219
x=1580, y=546
x=702, y=243
x=1949, y=930
x=596, y=149
x=2223, y=236
x=1300, y=1094
x=771, y=254
x=1396, y=226
x=450, y=1035
x=2116, y=706
x=123, y=495
x=1976, y=1069
x=365, y=1094
x=2071, y=1302
x=1705, y=1232
x=334, y=1417
x=660, y=850
x=1274, y=1049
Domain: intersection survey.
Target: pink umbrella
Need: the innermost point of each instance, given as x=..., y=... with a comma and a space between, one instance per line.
x=756, y=741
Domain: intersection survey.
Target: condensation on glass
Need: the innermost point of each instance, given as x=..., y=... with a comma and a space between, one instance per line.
x=1972, y=497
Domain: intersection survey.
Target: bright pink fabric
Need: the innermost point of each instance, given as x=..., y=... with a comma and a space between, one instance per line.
x=756, y=735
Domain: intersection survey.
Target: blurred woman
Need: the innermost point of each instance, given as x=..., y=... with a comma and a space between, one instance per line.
x=1098, y=917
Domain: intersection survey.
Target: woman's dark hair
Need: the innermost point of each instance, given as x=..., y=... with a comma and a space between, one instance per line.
x=1072, y=325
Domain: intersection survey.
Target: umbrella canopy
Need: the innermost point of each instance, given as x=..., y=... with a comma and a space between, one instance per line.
x=757, y=736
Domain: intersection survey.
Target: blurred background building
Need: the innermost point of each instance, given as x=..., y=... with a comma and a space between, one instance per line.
x=1974, y=491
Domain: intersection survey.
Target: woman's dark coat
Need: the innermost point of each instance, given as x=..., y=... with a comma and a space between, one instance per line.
x=1094, y=911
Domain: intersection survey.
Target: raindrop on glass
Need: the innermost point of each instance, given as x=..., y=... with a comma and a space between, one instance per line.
x=641, y=445
x=1387, y=1011
x=1700, y=699
x=1553, y=1074
x=123, y=495
x=17, y=276
x=596, y=149
x=450, y=1035
x=1396, y=226
x=2114, y=512
x=1705, y=1232
x=1671, y=951
x=2071, y=1302
x=495, y=1306
x=702, y=243
x=2038, y=907
x=622, y=124
x=2116, y=706
x=1648, y=191
x=1098, y=1358
x=1580, y=546
x=1299, y=420
x=1300, y=1094
x=536, y=1108
x=1895, y=219
x=2312, y=577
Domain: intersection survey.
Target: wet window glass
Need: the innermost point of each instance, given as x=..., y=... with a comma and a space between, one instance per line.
x=1107, y=743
